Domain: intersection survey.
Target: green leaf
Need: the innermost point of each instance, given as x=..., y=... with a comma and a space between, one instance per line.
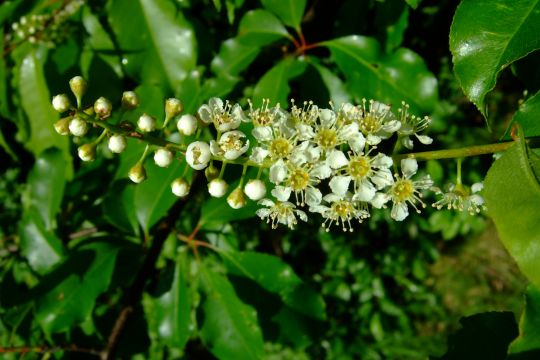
x=46, y=183
x=36, y=103
x=528, y=71
x=274, y=85
x=41, y=248
x=67, y=295
x=488, y=35
x=118, y=206
x=392, y=19
x=259, y=28
x=233, y=57
x=274, y=275
x=169, y=314
x=391, y=78
x=528, y=340
x=153, y=198
x=413, y=3
x=290, y=12
x=512, y=196
x=230, y=329
x=335, y=86
x=158, y=42
x=528, y=116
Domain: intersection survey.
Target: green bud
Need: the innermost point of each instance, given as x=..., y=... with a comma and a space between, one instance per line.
x=78, y=86
x=173, y=107
x=137, y=173
x=130, y=100
x=87, y=152
x=236, y=199
x=211, y=172
x=62, y=126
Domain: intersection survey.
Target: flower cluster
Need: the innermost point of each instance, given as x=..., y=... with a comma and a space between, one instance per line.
x=336, y=162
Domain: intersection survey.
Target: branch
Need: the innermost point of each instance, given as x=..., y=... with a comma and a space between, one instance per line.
x=48, y=349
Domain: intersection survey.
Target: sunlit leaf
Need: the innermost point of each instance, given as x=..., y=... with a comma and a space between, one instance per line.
x=488, y=35
x=528, y=116
x=259, y=28
x=290, y=12
x=527, y=344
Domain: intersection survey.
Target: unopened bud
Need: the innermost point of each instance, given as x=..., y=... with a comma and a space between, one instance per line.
x=78, y=127
x=255, y=189
x=137, y=174
x=103, y=107
x=78, y=86
x=198, y=155
x=173, y=107
x=211, y=172
x=146, y=123
x=62, y=126
x=163, y=157
x=130, y=100
x=87, y=152
x=61, y=103
x=180, y=187
x=117, y=143
x=217, y=187
x=187, y=124
x=236, y=199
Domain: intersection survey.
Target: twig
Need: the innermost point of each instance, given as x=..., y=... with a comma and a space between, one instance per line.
x=48, y=349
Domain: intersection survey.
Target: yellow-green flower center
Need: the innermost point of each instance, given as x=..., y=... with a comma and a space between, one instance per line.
x=403, y=190
x=326, y=138
x=370, y=124
x=342, y=209
x=280, y=148
x=299, y=179
x=359, y=167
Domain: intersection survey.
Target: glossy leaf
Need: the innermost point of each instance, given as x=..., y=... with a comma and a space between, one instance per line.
x=67, y=295
x=528, y=116
x=158, y=43
x=233, y=57
x=277, y=277
x=527, y=344
x=41, y=248
x=274, y=85
x=488, y=35
x=392, y=78
x=335, y=86
x=259, y=28
x=36, y=103
x=154, y=197
x=512, y=196
x=170, y=312
x=119, y=206
x=230, y=329
x=290, y=12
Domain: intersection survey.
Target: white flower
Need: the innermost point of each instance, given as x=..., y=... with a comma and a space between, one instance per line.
x=329, y=133
x=231, y=145
x=412, y=125
x=117, y=143
x=301, y=181
x=78, y=127
x=163, y=157
x=187, y=124
x=341, y=210
x=274, y=141
x=103, y=107
x=258, y=154
x=198, y=155
x=377, y=122
x=255, y=189
x=180, y=187
x=217, y=187
x=405, y=190
x=459, y=198
x=224, y=116
x=61, y=103
x=281, y=211
x=265, y=115
x=146, y=123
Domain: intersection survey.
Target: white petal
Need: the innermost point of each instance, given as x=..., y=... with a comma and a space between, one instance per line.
x=340, y=184
x=476, y=187
x=373, y=139
x=278, y=172
x=409, y=167
x=350, y=131
x=382, y=178
x=263, y=213
x=313, y=196
x=258, y=155
x=424, y=139
x=328, y=117
x=238, y=113
x=476, y=199
x=407, y=142
x=266, y=202
x=262, y=133
x=391, y=126
x=205, y=114
x=337, y=159
x=365, y=191
x=216, y=103
x=382, y=161
x=399, y=211
x=214, y=148
x=379, y=200
x=282, y=193
x=358, y=143
x=321, y=171
x=301, y=215
x=305, y=132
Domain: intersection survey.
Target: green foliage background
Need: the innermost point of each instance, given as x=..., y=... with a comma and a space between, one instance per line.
x=81, y=246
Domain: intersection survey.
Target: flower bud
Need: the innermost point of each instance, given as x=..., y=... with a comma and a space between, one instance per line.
x=180, y=187
x=130, y=100
x=255, y=189
x=87, y=152
x=117, y=143
x=163, y=157
x=173, y=107
x=211, y=172
x=78, y=127
x=78, y=86
x=217, y=187
x=103, y=107
x=187, y=124
x=198, y=155
x=236, y=199
x=62, y=126
x=137, y=174
x=146, y=123
x=61, y=103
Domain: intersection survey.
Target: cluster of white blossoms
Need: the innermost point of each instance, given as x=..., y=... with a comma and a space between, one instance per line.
x=337, y=163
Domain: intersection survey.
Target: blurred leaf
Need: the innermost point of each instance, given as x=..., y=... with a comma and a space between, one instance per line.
x=36, y=102
x=528, y=116
x=290, y=12
x=158, y=42
x=392, y=19
x=482, y=336
x=233, y=57
x=154, y=197
x=46, y=183
x=512, y=196
x=296, y=328
x=230, y=329
x=527, y=344
x=275, y=276
x=336, y=87
x=528, y=71
x=259, y=28
x=488, y=35
x=67, y=295
x=413, y=3
x=392, y=78
x=41, y=248
x=170, y=312
x=119, y=208
x=274, y=85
